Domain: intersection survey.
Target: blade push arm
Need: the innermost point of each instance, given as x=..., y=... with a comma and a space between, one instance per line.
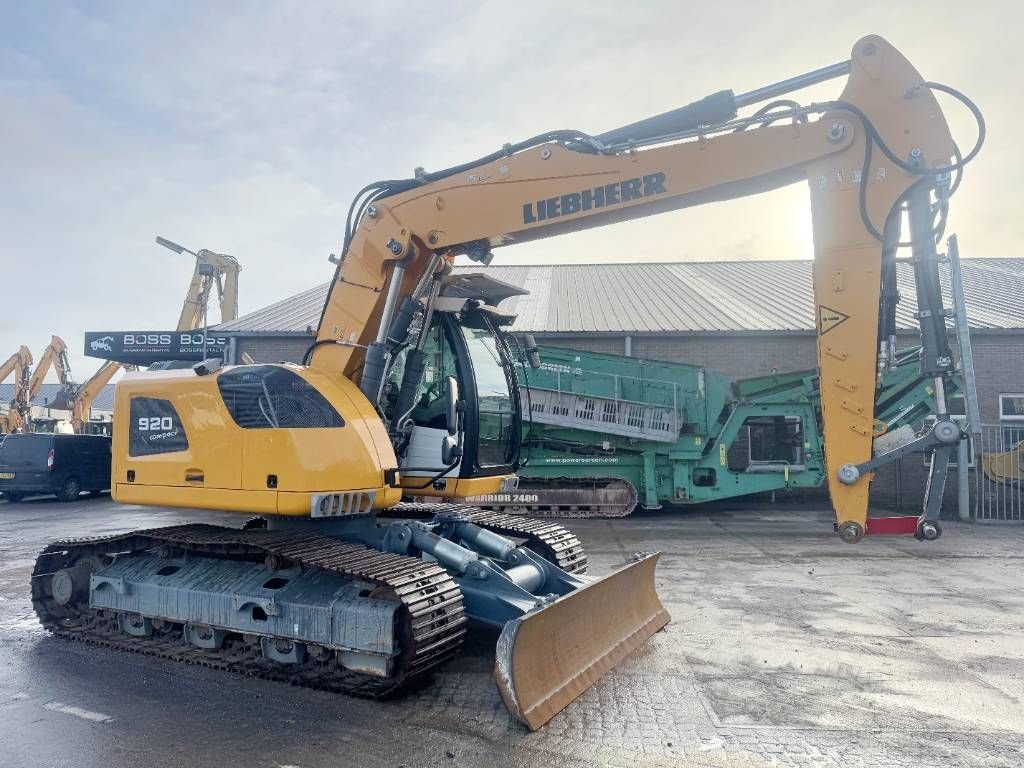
x=543, y=189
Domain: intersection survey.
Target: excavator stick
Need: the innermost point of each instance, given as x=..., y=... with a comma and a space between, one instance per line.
x=549, y=657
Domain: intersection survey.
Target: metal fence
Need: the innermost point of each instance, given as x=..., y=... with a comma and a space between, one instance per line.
x=999, y=472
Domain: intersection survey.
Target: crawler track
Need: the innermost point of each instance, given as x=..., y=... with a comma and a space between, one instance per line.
x=432, y=625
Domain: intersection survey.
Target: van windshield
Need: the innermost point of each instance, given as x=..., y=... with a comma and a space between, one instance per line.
x=25, y=450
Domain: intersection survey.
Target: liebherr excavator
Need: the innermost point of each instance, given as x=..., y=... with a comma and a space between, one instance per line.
x=409, y=389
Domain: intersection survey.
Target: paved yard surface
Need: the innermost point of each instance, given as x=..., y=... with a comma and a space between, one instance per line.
x=786, y=647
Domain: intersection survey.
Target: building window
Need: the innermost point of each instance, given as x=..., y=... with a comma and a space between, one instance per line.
x=272, y=397
x=1011, y=420
x=1011, y=407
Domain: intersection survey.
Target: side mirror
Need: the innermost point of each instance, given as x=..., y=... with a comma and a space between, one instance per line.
x=451, y=450
x=532, y=352
x=452, y=406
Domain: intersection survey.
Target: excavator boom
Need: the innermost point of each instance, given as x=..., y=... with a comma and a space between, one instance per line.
x=54, y=356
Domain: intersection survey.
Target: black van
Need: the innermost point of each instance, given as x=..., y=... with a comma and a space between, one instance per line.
x=65, y=465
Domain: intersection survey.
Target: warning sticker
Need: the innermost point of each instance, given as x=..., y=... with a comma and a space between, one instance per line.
x=829, y=318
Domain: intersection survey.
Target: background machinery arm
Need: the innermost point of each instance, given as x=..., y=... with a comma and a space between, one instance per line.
x=55, y=355
x=19, y=364
x=212, y=269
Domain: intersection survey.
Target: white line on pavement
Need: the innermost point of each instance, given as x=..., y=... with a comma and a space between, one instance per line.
x=85, y=714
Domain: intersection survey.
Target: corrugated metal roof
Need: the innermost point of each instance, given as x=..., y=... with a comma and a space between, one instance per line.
x=104, y=402
x=291, y=315
x=681, y=297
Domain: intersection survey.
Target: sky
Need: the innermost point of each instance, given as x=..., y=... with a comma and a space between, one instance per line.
x=247, y=127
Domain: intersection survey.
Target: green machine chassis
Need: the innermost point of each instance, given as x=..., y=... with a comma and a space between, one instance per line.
x=607, y=433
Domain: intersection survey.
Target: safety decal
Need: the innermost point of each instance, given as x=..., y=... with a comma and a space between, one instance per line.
x=829, y=318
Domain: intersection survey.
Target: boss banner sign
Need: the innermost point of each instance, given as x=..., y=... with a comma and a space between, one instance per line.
x=148, y=347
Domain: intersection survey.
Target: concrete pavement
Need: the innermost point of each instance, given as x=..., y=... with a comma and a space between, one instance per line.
x=786, y=647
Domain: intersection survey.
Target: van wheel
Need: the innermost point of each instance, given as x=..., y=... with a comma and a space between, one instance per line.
x=70, y=490
x=13, y=496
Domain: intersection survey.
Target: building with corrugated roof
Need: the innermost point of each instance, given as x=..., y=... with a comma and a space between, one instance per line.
x=723, y=297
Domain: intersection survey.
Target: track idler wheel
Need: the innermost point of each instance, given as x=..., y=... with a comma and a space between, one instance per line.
x=71, y=585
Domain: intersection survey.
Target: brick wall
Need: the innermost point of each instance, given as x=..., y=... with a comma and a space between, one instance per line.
x=999, y=367
x=733, y=356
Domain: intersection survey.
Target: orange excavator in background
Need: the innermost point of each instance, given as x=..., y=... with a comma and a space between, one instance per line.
x=54, y=356
x=20, y=364
x=79, y=399
x=211, y=270
x=410, y=389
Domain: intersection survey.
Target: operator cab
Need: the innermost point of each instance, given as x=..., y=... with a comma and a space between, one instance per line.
x=466, y=418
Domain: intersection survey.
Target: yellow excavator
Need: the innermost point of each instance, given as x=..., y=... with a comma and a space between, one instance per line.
x=410, y=389
x=20, y=364
x=211, y=270
x=79, y=399
x=54, y=356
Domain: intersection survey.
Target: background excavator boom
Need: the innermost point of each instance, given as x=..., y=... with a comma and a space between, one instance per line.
x=20, y=364
x=212, y=270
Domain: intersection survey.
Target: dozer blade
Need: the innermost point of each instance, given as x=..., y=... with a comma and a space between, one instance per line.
x=546, y=659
